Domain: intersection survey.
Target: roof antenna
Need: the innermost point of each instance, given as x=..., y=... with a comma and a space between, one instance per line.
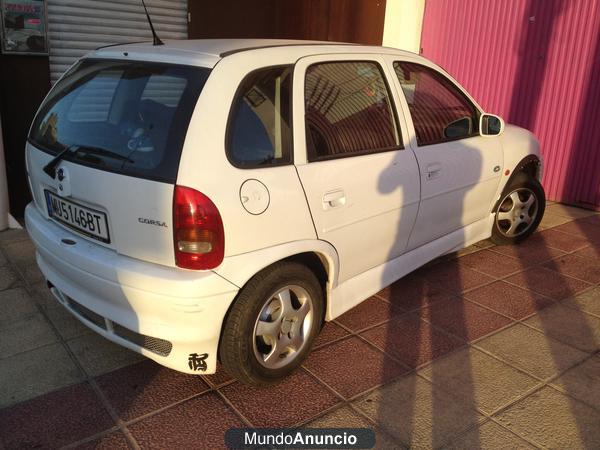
x=157, y=40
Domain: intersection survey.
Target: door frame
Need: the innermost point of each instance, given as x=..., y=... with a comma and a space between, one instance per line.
x=389, y=62
x=298, y=111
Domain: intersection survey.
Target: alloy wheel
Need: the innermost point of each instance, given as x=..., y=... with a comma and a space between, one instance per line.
x=517, y=212
x=282, y=327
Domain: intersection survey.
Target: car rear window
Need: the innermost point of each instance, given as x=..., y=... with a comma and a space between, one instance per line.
x=121, y=116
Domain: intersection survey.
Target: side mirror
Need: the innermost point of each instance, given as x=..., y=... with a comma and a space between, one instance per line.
x=490, y=125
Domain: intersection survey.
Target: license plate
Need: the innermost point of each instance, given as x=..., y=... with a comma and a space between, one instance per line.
x=87, y=221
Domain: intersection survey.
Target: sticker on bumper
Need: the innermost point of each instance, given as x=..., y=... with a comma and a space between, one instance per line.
x=197, y=362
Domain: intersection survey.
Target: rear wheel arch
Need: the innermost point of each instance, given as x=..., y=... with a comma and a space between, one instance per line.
x=297, y=269
x=321, y=264
x=318, y=263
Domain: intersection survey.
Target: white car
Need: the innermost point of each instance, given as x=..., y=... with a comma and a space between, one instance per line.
x=220, y=199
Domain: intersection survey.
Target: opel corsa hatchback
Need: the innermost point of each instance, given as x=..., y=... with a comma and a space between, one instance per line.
x=221, y=199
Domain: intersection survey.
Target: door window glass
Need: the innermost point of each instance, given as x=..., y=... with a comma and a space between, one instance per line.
x=439, y=110
x=348, y=110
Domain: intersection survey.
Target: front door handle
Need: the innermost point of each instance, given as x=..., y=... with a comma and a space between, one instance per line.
x=334, y=199
x=433, y=170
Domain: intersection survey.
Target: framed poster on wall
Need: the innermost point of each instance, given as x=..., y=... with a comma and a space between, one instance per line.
x=24, y=27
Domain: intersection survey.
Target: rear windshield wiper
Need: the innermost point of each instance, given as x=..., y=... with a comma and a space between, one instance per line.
x=50, y=168
x=102, y=152
x=72, y=150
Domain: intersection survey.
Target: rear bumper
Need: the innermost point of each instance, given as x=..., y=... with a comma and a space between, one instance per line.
x=131, y=302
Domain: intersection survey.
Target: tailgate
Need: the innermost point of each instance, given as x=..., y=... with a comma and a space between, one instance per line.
x=104, y=149
x=138, y=211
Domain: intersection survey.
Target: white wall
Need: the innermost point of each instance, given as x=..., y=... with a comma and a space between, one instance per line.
x=3, y=187
x=403, y=23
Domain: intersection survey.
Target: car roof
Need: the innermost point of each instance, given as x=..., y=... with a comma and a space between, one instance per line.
x=207, y=52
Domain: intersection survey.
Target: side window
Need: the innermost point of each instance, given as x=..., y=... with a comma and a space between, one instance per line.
x=348, y=110
x=259, y=131
x=439, y=110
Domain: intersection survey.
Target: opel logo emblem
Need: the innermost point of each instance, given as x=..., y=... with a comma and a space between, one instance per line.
x=61, y=174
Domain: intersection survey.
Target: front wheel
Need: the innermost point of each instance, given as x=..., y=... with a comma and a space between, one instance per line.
x=519, y=211
x=272, y=324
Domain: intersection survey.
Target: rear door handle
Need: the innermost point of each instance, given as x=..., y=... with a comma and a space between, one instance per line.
x=334, y=199
x=434, y=170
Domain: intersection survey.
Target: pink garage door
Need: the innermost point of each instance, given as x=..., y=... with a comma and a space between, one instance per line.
x=536, y=63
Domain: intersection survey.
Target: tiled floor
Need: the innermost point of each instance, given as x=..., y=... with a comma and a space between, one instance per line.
x=496, y=347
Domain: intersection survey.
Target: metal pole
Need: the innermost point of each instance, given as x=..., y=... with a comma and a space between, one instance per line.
x=3, y=186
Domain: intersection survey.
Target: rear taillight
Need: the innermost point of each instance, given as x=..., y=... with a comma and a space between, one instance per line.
x=198, y=230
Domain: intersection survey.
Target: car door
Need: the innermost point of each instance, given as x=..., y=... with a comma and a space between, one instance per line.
x=360, y=178
x=460, y=169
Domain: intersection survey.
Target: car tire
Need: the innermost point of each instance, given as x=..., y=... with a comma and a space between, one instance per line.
x=272, y=324
x=519, y=211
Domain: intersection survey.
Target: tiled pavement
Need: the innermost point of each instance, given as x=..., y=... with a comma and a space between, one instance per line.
x=496, y=347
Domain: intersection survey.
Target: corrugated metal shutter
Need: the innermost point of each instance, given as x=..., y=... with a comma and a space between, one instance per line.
x=537, y=64
x=76, y=27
